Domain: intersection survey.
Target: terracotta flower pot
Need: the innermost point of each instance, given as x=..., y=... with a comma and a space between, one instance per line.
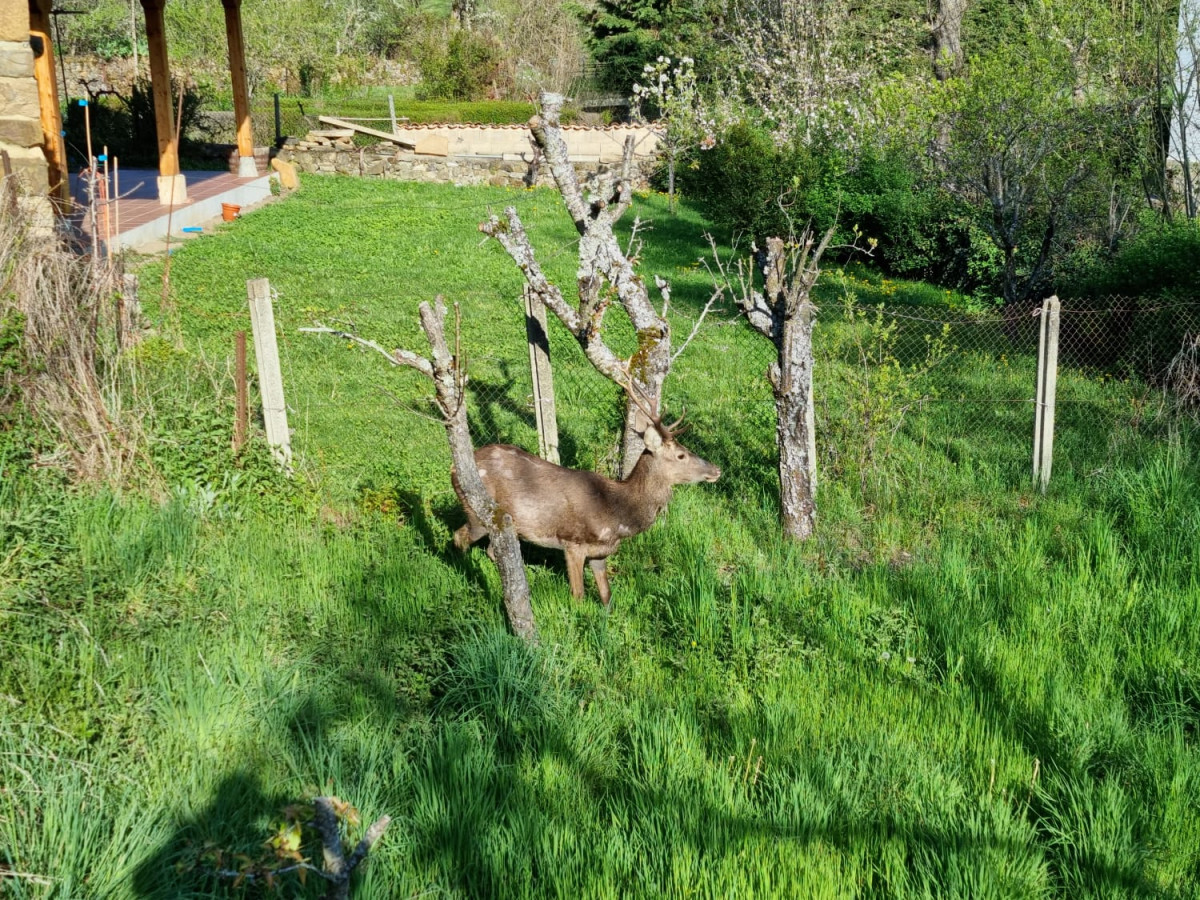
x=230, y=211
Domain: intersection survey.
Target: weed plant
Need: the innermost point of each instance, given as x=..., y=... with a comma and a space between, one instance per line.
x=959, y=688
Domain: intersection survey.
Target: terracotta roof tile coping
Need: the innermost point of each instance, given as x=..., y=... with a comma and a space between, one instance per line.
x=409, y=126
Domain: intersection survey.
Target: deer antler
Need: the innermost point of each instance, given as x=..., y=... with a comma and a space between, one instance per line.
x=647, y=405
x=639, y=397
x=674, y=428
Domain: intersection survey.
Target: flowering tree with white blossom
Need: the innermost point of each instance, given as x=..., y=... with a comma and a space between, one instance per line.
x=672, y=91
x=791, y=60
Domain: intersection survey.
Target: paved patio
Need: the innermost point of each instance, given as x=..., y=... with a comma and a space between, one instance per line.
x=137, y=221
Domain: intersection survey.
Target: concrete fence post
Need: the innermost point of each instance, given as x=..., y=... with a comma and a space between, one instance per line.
x=270, y=378
x=542, y=375
x=1047, y=385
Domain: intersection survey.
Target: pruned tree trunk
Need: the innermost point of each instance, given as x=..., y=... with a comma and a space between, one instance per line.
x=601, y=262
x=783, y=311
x=450, y=397
x=503, y=548
x=791, y=382
x=945, y=27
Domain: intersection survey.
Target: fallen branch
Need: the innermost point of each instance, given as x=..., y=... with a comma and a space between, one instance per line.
x=337, y=866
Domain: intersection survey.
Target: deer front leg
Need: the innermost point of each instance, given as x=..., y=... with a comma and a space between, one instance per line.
x=600, y=573
x=575, y=558
x=467, y=535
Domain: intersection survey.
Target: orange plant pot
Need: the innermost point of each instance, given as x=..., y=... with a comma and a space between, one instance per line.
x=230, y=211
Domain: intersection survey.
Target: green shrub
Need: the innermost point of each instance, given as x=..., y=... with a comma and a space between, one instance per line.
x=1159, y=264
x=755, y=187
x=749, y=184
x=461, y=68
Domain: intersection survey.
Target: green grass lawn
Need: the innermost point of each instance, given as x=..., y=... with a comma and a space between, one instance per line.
x=959, y=688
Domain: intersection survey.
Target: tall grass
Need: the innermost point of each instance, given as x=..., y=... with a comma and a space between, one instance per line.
x=960, y=688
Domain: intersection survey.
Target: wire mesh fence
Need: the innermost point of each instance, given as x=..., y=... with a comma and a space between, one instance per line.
x=894, y=387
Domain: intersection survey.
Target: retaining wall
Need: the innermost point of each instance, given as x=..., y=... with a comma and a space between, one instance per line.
x=474, y=154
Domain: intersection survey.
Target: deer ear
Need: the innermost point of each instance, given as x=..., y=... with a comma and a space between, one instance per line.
x=653, y=440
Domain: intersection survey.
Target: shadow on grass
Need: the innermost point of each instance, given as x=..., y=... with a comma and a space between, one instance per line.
x=185, y=863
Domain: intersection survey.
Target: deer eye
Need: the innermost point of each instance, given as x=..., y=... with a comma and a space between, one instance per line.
x=682, y=456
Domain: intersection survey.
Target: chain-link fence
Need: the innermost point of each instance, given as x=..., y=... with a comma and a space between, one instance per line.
x=963, y=386
x=897, y=390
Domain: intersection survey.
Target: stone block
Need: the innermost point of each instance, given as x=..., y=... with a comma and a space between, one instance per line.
x=19, y=98
x=433, y=145
x=20, y=131
x=287, y=174
x=16, y=59
x=14, y=22
x=29, y=165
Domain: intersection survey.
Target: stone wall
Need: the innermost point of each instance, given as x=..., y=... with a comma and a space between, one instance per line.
x=585, y=143
x=404, y=165
x=20, y=117
x=462, y=155
x=480, y=163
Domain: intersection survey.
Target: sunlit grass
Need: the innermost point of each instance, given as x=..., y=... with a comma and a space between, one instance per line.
x=959, y=688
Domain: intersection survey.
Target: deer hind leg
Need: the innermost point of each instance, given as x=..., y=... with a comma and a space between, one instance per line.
x=600, y=573
x=575, y=558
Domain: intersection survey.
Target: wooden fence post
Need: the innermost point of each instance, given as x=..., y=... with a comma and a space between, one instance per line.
x=1047, y=384
x=542, y=375
x=392, y=113
x=270, y=378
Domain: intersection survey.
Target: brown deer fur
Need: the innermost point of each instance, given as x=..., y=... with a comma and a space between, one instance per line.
x=582, y=513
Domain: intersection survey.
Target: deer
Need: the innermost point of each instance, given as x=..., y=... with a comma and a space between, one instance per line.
x=584, y=514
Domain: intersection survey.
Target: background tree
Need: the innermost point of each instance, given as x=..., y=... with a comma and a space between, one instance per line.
x=945, y=28
x=625, y=36
x=669, y=93
x=1184, y=91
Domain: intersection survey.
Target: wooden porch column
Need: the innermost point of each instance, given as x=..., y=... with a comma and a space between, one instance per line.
x=241, y=97
x=172, y=187
x=53, y=144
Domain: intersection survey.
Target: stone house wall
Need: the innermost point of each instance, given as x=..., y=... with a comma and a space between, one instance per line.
x=20, y=115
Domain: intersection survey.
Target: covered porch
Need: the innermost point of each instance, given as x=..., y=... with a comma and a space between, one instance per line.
x=139, y=221
x=170, y=184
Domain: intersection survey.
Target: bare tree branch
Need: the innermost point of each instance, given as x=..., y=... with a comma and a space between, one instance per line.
x=600, y=261
x=716, y=295
x=449, y=380
x=397, y=357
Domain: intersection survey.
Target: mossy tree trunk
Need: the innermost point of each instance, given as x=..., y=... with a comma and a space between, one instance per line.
x=783, y=311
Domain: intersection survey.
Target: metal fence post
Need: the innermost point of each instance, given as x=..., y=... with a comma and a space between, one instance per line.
x=542, y=375
x=270, y=378
x=1047, y=383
